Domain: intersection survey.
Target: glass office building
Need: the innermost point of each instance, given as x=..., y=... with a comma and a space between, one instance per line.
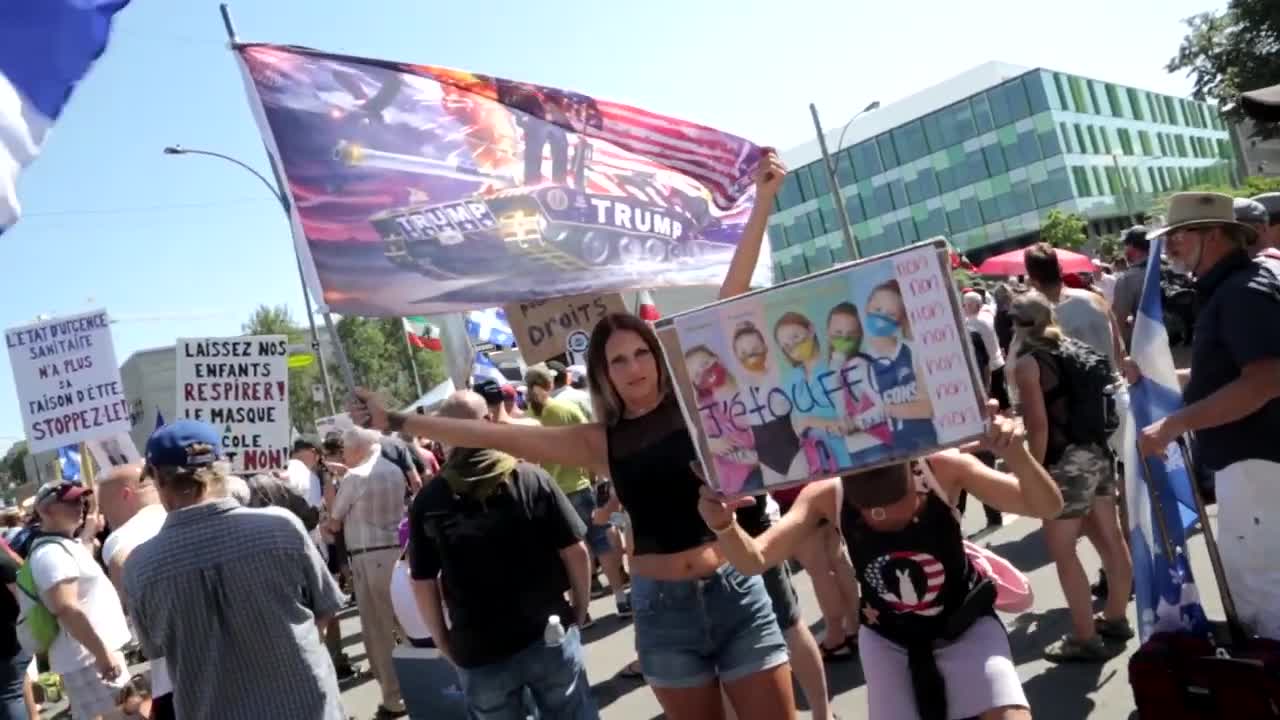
x=981, y=160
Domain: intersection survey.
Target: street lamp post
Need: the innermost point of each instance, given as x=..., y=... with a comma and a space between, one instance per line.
x=283, y=199
x=850, y=242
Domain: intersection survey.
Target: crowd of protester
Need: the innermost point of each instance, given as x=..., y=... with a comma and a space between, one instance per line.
x=472, y=539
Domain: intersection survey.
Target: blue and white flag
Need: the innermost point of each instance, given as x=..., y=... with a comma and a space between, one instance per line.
x=159, y=419
x=484, y=368
x=69, y=463
x=490, y=326
x=1166, y=592
x=46, y=47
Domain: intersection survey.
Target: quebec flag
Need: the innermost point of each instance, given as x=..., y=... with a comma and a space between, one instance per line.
x=46, y=47
x=69, y=462
x=485, y=369
x=1167, y=595
x=490, y=326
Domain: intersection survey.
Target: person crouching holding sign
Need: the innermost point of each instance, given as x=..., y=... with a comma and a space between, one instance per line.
x=931, y=645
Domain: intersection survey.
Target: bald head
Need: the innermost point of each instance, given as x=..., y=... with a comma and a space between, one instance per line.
x=122, y=492
x=464, y=405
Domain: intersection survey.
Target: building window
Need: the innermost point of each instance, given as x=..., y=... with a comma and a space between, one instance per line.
x=899, y=194
x=1155, y=184
x=1171, y=111
x=1001, y=113
x=909, y=142
x=866, y=160
x=1095, y=147
x=1135, y=104
x=995, y=159
x=887, y=155
x=1049, y=143
x=1157, y=114
x=789, y=196
x=1080, y=140
x=1054, y=189
x=1113, y=98
x=1037, y=98
x=845, y=175
x=1078, y=94
x=1095, y=97
x=1106, y=139
x=982, y=117
x=1099, y=181
x=1081, y=177
x=923, y=186
x=1064, y=97
x=1144, y=139
x=1067, y=138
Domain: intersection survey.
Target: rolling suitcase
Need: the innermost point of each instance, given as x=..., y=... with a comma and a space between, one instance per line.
x=1184, y=676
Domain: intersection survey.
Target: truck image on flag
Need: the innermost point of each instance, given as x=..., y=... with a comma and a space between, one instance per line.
x=419, y=189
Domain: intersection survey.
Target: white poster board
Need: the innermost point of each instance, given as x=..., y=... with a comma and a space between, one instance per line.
x=67, y=380
x=863, y=365
x=113, y=451
x=241, y=386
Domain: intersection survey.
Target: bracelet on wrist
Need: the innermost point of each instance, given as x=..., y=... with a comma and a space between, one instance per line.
x=726, y=528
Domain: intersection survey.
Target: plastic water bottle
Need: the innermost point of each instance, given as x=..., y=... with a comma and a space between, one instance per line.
x=554, y=634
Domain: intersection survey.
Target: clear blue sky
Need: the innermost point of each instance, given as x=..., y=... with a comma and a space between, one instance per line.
x=109, y=220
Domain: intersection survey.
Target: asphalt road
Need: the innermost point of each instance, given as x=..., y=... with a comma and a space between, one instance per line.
x=1056, y=692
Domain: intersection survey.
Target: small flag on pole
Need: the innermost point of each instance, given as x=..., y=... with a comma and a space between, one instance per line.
x=646, y=308
x=490, y=326
x=69, y=463
x=422, y=334
x=484, y=368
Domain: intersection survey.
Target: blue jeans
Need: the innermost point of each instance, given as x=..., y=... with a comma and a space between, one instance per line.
x=12, y=672
x=689, y=632
x=555, y=677
x=597, y=539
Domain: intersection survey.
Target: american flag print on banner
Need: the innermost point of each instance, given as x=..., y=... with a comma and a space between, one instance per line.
x=419, y=189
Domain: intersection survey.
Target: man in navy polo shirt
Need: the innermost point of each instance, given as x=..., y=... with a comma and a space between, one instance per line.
x=1232, y=394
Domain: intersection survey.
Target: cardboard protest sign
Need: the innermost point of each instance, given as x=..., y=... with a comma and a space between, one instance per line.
x=67, y=379
x=113, y=451
x=863, y=365
x=545, y=329
x=333, y=423
x=241, y=386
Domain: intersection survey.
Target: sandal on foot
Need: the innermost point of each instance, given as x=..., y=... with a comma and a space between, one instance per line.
x=846, y=650
x=1118, y=629
x=1069, y=649
x=632, y=671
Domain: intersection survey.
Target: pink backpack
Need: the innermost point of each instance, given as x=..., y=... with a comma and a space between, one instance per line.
x=1013, y=588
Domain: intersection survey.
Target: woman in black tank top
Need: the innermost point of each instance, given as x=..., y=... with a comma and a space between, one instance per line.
x=930, y=644
x=699, y=623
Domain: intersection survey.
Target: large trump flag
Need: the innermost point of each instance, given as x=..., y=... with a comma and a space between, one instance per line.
x=420, y=189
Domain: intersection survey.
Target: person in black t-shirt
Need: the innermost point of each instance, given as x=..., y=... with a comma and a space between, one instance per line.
x=495, y=540
x=16, y=702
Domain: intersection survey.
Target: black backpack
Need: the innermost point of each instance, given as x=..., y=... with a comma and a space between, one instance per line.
x=1086, y=379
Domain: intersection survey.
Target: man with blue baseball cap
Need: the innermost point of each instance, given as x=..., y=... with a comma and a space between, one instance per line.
x=233, y=598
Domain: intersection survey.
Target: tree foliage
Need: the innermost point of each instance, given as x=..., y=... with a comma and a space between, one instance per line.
x=1064, y=230
x=1252, y=186
x=380, y=358
x=303, y=408
x=1230, y=52
x=13, y=463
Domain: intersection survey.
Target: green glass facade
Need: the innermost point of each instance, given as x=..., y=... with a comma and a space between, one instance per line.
x=986, y=170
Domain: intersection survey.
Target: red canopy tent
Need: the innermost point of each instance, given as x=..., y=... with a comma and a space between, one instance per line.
x=1011, y=263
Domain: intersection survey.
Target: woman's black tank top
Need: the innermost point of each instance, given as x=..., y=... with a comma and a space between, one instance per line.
x=649, y=463
x=913, y=579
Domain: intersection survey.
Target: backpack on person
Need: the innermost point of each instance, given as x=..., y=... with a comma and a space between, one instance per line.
x=1086, y=379
x=37, y=626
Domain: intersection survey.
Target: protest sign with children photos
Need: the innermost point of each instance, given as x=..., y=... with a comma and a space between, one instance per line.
x=863, y=365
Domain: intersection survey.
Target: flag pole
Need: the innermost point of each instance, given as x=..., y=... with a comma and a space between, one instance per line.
x=413, y=364
x=348, y=375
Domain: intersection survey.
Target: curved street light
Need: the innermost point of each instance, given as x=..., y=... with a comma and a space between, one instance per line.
x=283, y=199
x=851, y=243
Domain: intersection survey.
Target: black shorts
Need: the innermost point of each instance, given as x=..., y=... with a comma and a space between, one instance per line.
x=786, y=607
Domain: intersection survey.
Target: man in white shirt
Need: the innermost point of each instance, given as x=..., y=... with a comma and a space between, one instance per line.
x=92, y=628
x=302, y=473
x=133, y=511
x=980, y=318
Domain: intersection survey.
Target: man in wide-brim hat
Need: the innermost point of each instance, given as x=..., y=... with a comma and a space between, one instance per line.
x=1262, y=105
x=1231, y=394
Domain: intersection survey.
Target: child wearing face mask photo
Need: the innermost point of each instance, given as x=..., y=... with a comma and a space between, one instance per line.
x=774, y=437
x=897, y=377
x=732, y=443
x=818, y=421
x=868, y=435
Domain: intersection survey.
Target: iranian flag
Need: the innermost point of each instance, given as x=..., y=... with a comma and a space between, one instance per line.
x=422, y=334
x=646, y=308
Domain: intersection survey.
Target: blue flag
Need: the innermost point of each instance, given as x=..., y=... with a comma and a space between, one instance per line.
x=159, y=419
x=1166, y=592
x=484, y=368
x=69, y=462
x=46, y=47
x=490, y=326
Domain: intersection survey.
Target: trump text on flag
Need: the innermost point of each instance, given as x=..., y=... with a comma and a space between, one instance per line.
x=240, y=386
x=68, y=383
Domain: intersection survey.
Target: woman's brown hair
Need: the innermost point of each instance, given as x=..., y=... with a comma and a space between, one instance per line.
x=795, y=318
x=605, y=398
